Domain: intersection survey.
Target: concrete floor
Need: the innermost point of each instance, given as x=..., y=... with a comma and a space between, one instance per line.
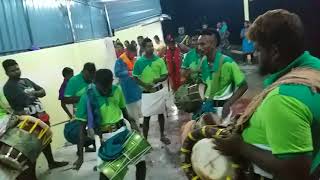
x=162, y=162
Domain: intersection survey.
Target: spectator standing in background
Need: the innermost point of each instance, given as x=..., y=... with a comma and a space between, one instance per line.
x=182, y=37
x=150, y=72
x=134, y=43
x=131, y=90
x=126, y=43
x=159, y=46
x=67, y=73
x=119, y=49
x=247, y=45
x=140, y=48
x=224, y=34
x=173, y=59
x=118, y=41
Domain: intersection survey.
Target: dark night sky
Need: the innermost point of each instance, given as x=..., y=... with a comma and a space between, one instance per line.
x=192, y=13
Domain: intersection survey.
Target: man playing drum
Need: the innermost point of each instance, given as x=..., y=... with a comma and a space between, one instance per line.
x=109, y=109
x=150, y=71
x=281, y=138
x=23, y=96
x=224, y=80
x=191, y=61
x=76, y=87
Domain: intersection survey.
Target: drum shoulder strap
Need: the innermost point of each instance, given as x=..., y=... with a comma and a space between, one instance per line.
x=216, y=78
x=303, y=76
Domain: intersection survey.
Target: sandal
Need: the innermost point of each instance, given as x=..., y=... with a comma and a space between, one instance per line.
x=165, y=140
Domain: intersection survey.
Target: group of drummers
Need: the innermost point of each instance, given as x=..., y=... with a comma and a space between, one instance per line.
x=275, y=137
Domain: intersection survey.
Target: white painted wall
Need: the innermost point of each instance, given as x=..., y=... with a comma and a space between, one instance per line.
x=44, y=67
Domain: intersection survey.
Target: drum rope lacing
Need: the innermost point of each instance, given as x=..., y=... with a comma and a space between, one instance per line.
x=303, y=76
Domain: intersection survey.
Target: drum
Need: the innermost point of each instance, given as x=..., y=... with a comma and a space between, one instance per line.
x=24, y=143
x=133, y=150
x=185, y=129
x=7, y=173
x=208, y=119
x=205, y=119
x=197, y=168
x=189, y=97
x=208, y=163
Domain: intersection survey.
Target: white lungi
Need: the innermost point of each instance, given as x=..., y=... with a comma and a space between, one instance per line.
x=153, y=103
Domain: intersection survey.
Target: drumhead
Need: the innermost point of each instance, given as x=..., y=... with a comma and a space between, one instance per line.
x=208, y=163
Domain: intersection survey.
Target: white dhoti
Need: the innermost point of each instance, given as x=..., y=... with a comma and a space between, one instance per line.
x=153, y=103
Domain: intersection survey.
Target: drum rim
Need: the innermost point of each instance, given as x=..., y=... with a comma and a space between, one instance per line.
x=134, y=160
x=194, y=136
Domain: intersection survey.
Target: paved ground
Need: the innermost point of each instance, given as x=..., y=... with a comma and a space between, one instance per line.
x=162, y=162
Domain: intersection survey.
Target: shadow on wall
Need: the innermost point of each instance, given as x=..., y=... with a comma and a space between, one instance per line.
x=44, y=67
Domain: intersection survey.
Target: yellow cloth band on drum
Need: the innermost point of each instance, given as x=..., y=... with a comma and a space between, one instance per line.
x=43, y=131
x=195, y=178
x=185, y=166
x=218, y=132
x=24, y=122
x=191, y=137
x=184, y=150
x=47, y=141
x=34, y=126
x=235, y=166
x=203, y=131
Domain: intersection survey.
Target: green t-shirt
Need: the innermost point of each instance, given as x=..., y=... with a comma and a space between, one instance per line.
x=110, y=107
x=288, y=120
x=76, y=86
x=147, y=70
x=191, y=60
x=231, y=74
x=3, y=112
